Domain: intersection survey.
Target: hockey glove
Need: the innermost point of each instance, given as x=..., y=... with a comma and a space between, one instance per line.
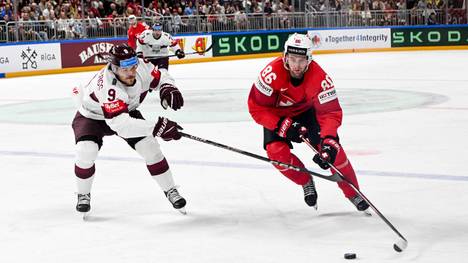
x=180, y=53
x=167, y=129
x=290, y=129
x=170, y=96
x=329, y=148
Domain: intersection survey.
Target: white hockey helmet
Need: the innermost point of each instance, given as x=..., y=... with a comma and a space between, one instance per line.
x=298, y=44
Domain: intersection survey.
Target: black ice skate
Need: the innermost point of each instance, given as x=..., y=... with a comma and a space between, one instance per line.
x=360, y=204
x=310, y=194
x=177, y=201
x=84, y=204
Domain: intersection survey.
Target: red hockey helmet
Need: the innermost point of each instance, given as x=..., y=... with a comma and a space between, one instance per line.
x=123, y=56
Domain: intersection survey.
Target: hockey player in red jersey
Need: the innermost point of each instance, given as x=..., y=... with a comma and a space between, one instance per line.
x=292, y=96
x=134, y=30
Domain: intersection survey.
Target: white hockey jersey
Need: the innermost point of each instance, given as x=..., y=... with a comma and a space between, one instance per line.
x=151, y=47
x=106, y=98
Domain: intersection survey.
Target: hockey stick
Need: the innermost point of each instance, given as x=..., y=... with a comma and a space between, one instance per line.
x=174, y=55
x=334, y=177
x=402, y=243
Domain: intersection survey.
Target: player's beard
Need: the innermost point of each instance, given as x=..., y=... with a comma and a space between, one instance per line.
x=128, y=79
x=296, y=74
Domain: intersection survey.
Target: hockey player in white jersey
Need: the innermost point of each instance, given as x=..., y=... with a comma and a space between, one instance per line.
x=108, y=106
x=154, y=45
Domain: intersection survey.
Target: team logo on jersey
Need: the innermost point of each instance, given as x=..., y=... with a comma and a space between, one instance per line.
x=285, y=101
x=263, y=87
x=327, y=95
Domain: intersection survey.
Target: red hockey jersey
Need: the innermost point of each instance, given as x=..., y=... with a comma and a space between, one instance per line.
x=134, y=32
x=273, y=96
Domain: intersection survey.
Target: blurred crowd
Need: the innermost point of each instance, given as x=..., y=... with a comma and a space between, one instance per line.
x=72, y=9
x=68, y=19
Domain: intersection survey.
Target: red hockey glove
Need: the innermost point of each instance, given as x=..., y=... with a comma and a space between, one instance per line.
x=167, y=129
x=180, y=53
x=290, y=129
x=170, y=96
x=329, y=149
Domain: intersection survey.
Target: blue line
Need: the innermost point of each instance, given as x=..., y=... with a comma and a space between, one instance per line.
x=442, y=177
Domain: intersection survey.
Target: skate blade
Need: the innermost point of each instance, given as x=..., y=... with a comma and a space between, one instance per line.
x=84, y=216
x=315, y=207
x=367, y=212
x=182, y=210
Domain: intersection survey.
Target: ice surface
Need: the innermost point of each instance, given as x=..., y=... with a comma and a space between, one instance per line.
x=405, y=130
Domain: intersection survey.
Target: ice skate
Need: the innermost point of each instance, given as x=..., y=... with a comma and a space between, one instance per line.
x=84, y=204
x=177, y=201
x=360, y=204
x=310, y=194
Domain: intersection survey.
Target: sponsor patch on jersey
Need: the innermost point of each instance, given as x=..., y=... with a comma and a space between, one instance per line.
x=327, y=95
x=263, y=87
x=114, y=108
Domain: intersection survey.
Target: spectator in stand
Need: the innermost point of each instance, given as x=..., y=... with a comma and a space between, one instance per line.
x=94, y=9
x=422, y=4
x=428, y=12
x=284, y=16
x=188, y=11
x=101, y=10
x=131, y=4
x=6, y=11
x=76, y=26
x=113, y=8
x=63, y=28
x=47, y=10
x=42, y=28
x=241, y=19
x=256, y=7
x=134, y=30
x=366, y=14
x=94, y=25
x=34, y=12
x=401, y=5
x=176, y=22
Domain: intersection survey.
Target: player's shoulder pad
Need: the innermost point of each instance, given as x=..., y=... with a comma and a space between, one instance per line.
x=327, y=91
x=269, y=77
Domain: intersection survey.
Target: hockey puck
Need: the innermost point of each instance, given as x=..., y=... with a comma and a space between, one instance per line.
x=350, y=255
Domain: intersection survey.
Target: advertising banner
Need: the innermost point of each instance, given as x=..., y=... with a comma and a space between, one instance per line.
x=78, y=54
x=31, y=57
x=429, y=36
x=350, y=38
x=192, y=44
x=242, y=44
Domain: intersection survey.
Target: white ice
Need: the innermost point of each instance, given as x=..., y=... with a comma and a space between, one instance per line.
x=405, y=130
